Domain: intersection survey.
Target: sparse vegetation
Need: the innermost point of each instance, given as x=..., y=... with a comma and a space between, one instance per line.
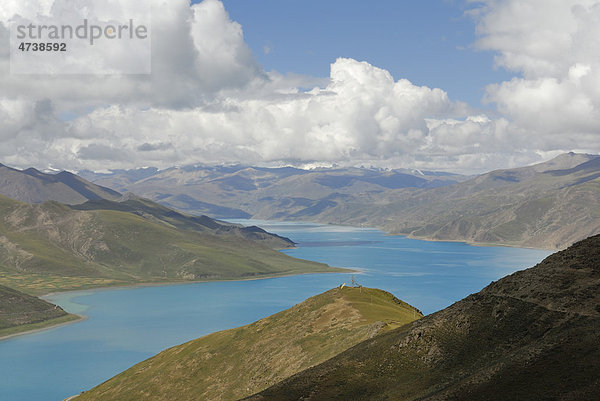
x=530, y=336
x=20, y=312
x=235, y=363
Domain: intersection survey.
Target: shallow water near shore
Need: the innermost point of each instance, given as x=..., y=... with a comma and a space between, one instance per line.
x=128, y=325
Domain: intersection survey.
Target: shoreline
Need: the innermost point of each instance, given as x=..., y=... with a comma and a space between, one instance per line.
x=79, y=318
x=431, y=239
x=410, y=236
x=472, y=243
x=172, y=283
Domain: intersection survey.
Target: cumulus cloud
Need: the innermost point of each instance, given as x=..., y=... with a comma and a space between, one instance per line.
x=555, y=46
x=197, y=52
x=207, y=100
x=363, y=114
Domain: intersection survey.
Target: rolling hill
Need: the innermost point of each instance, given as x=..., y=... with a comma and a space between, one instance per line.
x=532, y=335
x=50, y=246
x=21, y=312
x=231, y=364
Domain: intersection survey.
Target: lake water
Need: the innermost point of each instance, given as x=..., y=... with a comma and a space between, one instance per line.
x=126, y=326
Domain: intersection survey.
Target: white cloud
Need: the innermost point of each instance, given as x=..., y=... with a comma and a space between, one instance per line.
x=197, y=52
x=555, y=46
x=362, y=114
x=208, y=100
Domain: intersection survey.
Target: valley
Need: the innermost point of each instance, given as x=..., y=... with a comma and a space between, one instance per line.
x=107, y=239
x=125, y=326
x=549, y=205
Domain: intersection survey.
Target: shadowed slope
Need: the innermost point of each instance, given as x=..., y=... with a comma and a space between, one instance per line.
x=533, y=335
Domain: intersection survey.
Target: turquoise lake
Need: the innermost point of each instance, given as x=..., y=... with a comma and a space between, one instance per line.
x=126, y=326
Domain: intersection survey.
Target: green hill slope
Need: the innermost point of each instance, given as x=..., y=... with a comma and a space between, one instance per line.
x=21, y=312
x=157, y=213
x=49, y=246
x=235, y=363
x=533, y=335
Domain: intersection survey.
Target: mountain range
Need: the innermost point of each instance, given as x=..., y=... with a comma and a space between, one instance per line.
x=242, y=191
x=102, y=238
x=33, y=186
x=548, y=205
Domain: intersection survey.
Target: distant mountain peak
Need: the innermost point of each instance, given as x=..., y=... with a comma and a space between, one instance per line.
x=565, y=161
x=33, y=186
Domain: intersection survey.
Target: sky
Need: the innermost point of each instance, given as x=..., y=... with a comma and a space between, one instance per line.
x=428, y=42
x=453, y=85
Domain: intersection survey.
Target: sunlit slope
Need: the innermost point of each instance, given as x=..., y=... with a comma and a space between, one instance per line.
x=231, y=364
x=49, y=246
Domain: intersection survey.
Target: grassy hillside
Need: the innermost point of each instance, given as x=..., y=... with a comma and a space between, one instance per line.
x=21, y=312
x=533, y=335
x=231, y=364
x=157, y=213
x=49, y=246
